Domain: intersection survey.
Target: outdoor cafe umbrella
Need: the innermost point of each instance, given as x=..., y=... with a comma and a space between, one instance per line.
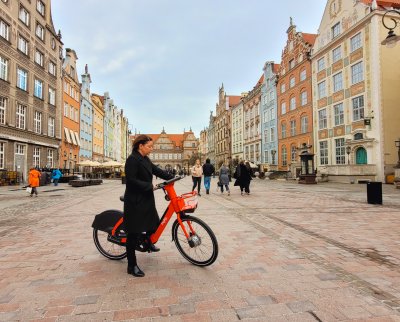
x=111, y=164
x=86, y=163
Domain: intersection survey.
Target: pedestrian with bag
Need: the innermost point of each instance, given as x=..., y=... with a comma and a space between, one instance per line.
x=34, y=180
x=243, y=177
x=208, y=171
x=56, y=175
x=224, y=178
x=197, y=173
x=140, y=213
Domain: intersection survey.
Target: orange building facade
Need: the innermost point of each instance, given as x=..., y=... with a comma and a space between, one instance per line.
x=70, y=143
x=294, y=94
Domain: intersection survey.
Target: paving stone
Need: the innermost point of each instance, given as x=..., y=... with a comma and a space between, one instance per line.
x=89, y=299
x=301, y=306
x=183, y=308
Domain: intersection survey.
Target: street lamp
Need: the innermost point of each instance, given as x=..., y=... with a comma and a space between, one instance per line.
x=391, y=39
x=348, y=151
x=397, y=143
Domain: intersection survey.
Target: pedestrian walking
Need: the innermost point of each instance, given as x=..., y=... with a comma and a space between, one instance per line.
x=34, y=180
x=208, y=171
x=243, y=177
x=224, y=178
x=140, y=213
x=197, y=173
x=56, y=175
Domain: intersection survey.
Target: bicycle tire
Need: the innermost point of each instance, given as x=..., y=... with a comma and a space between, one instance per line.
x=203, y=254
x=106, y=248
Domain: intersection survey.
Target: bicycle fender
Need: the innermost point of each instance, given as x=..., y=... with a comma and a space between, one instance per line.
x=106, y=220
x=176, y=223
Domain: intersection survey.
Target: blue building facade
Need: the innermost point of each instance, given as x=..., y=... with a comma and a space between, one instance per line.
x=86, y=131
x=269, y=120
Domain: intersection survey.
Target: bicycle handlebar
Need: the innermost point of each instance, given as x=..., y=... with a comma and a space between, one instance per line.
x=165, y=183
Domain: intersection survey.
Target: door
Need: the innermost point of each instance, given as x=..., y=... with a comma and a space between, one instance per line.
x=361, y=156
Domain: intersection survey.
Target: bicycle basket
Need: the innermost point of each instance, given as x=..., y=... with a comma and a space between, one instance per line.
x=188, y=202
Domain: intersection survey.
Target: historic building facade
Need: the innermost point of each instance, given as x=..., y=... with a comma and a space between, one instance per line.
x=98, y=127
x=237, y=126
x=252, y=124
x=211, y=138
x=125, y=142
x=30, y=87
x=269, y=121
x=71, y=101
x=203, y=145
x=294, y=99
x=356, y=114
x=223, y=126
x=86, y=118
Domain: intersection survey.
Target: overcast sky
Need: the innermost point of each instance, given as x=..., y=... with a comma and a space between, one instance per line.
x=163, y=61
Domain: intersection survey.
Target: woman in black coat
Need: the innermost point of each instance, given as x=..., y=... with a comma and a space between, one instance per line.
x=243, y=175
x=140, y=213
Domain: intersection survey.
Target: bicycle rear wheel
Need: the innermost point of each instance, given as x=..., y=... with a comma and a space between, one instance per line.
x=201, y=248
x=108, y=245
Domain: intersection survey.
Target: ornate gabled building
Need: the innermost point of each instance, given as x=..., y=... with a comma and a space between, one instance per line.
x=222, y=126
x=237, y=130
x=30, y=86
x=294, y=98
x=98, y=127
x=86, y=122
x=356, y=85
x=203, y=144
x=211, y=138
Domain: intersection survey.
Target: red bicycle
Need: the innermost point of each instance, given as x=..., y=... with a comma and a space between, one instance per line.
x=193, y=237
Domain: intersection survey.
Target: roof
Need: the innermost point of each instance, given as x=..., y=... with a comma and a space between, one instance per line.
x=177, y=139
x=310, y=38
x=276, y=68
x=261, y=80
x=384, y=3
x=234, y=100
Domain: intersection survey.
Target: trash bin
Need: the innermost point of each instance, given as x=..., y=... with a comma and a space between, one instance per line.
x=374, y=193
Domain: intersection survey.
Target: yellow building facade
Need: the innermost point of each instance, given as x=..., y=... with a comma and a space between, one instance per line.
x=98, y=127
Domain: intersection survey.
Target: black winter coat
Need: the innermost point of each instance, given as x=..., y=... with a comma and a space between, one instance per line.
x=208, y=169
x=243, y=175
x=140, y=213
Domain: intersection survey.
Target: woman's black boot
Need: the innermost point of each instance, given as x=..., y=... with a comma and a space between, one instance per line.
x=135, y=271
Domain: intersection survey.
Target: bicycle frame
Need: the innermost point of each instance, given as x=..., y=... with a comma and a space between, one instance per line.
x=176, y=205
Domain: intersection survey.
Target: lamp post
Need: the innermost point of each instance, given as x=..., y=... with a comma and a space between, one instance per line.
x=397, y=143
x=348, y=151
x=391, y=39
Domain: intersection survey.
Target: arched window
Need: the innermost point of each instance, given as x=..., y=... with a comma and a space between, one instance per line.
x=284, y=155
x=293, y=153
x=361, y=156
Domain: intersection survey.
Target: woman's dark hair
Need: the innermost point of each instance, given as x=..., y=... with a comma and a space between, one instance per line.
x=207, y=160
x=140, y=139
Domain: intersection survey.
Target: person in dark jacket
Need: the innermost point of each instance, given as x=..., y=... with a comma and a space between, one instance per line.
x=208, y=170
x=140, y=213
x=243, y=177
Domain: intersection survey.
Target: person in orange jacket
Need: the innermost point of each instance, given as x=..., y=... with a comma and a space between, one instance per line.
x=34, y=180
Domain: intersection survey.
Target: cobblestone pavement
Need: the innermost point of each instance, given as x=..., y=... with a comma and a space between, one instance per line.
x=288, y=252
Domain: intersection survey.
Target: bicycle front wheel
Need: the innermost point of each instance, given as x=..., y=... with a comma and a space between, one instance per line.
x=109, y=246
x=201, y=248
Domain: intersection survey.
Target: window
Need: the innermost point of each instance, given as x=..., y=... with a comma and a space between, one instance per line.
x=36, y=157
x=3, y=68
x=340, y=151
x=292, y=82
x=321, y=90
x=3, y=108
x=23, y=45
x=51, y=129
x=72, y=113
x=37, y=122
x=303, y=75
x=304, y=124
x=358, y=108
x=40, y=7
x=303, y=98
x=284, y=155
x=4, y=30
x=291, y=64
x=52, y=69
x=66, y=109
x=293, y=127
x=266, y=139
x=339, y=115
x=272, y=134
x=72, y=73
x=24, y=15
x=22, y=79
x=322, y=121
x=293, y=153
x=283, y=88
x=337, y=82
x=20, y=149
x=2, y=150
x=355, y=42
x=321, y=64
x=39, y=31
x=50, y=159
x=336, y=54
x=39, y=58
x=336, y=30
x=20, y=116
x=266, y=157
x=357, y=74
x=323, y=152
x=52, y=96
x=38, y=90
x=292, y=103
x=283, y=108
x=283, y=130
